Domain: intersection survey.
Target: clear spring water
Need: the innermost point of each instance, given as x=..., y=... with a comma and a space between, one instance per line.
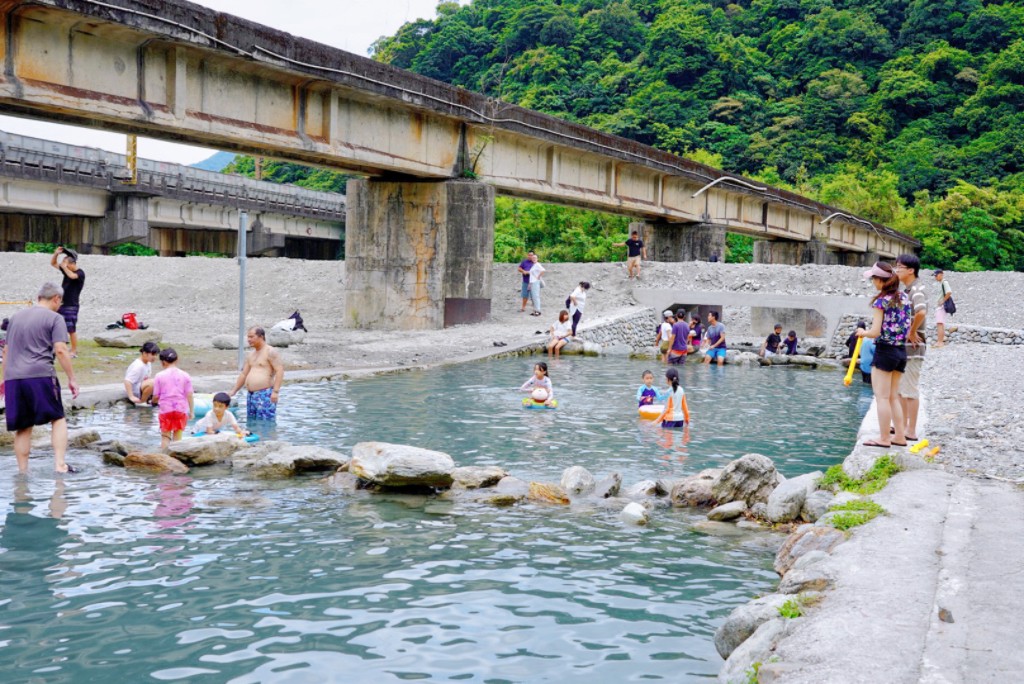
x=116, y=576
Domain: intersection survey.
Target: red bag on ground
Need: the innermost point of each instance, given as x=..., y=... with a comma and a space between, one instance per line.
x=130, y=321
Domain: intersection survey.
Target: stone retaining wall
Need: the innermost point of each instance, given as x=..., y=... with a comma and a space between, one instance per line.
x=960, y=333
x=636, y=330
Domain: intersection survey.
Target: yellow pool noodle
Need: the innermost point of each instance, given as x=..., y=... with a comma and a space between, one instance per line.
x=853, y=362
x=920, y=445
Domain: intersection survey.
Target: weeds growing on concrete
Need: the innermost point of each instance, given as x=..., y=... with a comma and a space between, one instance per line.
x=854, y=513
x=873, y=481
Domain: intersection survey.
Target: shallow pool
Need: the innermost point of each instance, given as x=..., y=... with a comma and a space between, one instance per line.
x=208, y=578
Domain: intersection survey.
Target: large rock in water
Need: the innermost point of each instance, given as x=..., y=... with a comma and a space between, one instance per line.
x=271, y=460
x=750, y=478
x=206, y=450
x=805, y=539
x=787, y=500
x=77, y=438
x=478, y=477
x=159, y=463
x=744, y=621
x=123, y=338
x=400, y=465
x=543, y=492
x=729, y=511
x=608, y=487
x=696, y=490
x=577, y=480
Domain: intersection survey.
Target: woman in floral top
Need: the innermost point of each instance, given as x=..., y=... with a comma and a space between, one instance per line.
x=891, y=321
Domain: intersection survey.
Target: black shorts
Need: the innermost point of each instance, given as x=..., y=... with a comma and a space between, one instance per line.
x=70, y=314
x=32, y=401
x=890, y=358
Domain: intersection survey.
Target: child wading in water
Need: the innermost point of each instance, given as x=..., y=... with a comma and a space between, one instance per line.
x=676, y=413
x=219, y=418
x=172, y=388
x=540, y=383
x=647, y=393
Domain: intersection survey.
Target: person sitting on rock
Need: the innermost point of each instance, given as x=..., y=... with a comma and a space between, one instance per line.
x=770, y=346
x=137, y=383
x=789, y=344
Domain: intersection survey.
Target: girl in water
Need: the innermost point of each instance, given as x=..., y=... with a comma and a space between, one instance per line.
x=540, y=381
x=676, y=413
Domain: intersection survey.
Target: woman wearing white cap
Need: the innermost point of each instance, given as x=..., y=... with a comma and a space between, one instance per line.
x=890, y=324
x=664, y=334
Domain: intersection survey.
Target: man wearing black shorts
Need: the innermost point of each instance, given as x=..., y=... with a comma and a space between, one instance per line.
x=74, y=281
x=28, y=380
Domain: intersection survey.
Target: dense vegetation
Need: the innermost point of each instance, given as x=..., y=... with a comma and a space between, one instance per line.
x=910, y=112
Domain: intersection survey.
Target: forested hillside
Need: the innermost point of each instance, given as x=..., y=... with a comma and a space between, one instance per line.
x=910, y=112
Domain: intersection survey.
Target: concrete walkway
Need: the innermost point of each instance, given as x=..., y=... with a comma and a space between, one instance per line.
x=931, y=592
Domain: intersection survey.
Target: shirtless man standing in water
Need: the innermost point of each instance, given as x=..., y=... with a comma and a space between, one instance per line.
x=262, y=375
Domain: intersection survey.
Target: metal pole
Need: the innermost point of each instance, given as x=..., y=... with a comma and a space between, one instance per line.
x=243, y=221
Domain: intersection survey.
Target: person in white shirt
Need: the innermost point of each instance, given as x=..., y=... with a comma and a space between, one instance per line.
x=664, y=338
x=138, y=384
x=536, y=282
x=560, y=333
x=576, y=304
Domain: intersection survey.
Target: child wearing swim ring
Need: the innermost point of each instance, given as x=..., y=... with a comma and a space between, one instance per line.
x=647, y=393
x=540, y=383
x=676, y=413
x=219, y=418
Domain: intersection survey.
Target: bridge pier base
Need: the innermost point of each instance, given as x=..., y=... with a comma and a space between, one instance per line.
x=792, y=252
x=676, y=242
x=418, y=255
x=865, y=259
x=126, y=220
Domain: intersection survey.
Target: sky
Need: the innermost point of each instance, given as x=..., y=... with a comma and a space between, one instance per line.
x=351, y=25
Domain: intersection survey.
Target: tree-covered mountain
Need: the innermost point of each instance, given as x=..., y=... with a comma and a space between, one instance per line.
x=910, y=112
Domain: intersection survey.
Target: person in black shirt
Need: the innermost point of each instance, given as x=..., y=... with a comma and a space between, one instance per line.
x=74, y=281
x=770, y=347
x=635, y=250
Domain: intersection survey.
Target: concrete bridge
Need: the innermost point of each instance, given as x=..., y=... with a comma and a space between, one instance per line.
x=419, y=239
x=51, y=192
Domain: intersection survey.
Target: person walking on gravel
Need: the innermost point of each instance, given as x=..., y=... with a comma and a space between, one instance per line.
x=74, y=281
x=945, y=294
x=28, y=381
x=635, y=251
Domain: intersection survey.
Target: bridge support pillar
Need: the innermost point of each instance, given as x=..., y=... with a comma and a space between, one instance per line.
x=675, y=242
x=792, y=252
x=418, y=255
x=865, y=259
x=261, y=242
x=126, y=220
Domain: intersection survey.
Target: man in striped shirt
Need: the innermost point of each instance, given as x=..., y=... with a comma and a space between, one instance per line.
x=908, y=267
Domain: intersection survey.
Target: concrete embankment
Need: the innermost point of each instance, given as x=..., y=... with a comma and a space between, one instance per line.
x=930, y=591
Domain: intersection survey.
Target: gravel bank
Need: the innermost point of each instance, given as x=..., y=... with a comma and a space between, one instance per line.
x=975, y=411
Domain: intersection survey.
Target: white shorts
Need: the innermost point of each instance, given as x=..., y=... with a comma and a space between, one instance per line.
x=940, y=315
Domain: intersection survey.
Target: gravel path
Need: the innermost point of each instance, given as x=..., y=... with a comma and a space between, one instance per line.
x=975, y=408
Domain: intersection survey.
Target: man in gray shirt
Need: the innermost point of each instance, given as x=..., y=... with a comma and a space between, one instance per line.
x=28, y=379
x=907, y=269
